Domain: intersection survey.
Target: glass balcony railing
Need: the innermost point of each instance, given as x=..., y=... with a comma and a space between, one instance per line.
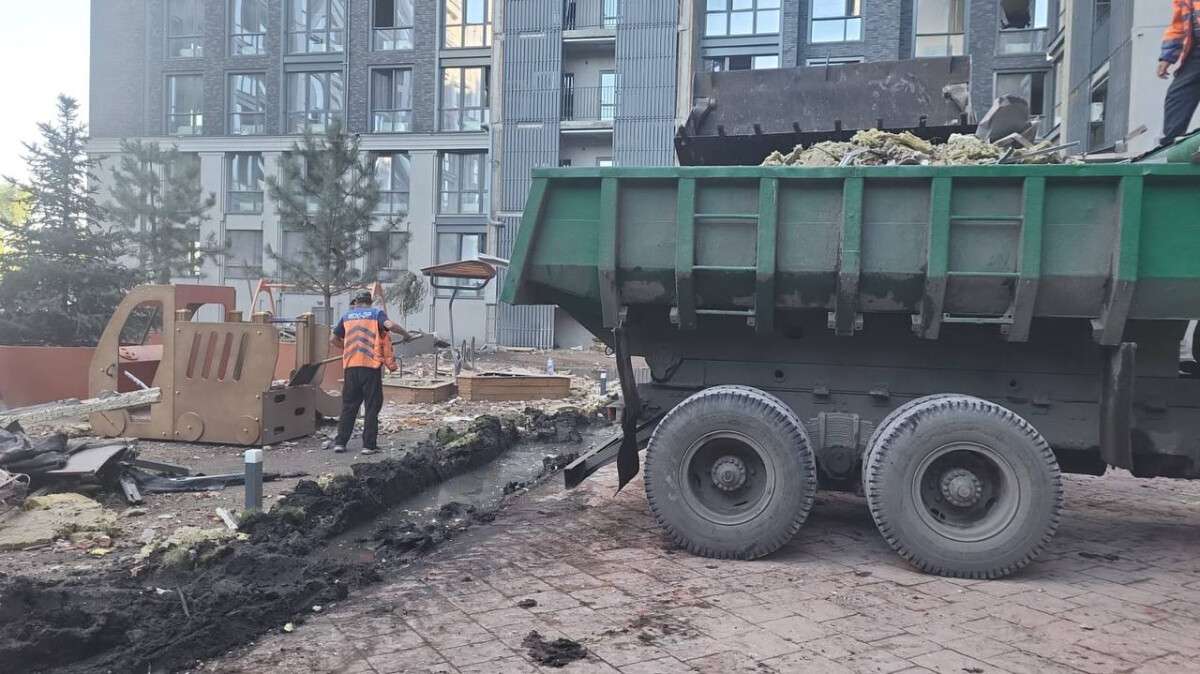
x=391, y=121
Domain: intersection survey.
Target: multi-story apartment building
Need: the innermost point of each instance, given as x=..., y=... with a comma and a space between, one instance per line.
x=457, y=100
x=235, y=82
x=1112, y=99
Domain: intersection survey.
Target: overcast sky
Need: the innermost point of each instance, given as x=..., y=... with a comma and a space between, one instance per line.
x=44, y=49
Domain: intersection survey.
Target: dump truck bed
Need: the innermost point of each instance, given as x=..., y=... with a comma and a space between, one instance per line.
x=977, y=244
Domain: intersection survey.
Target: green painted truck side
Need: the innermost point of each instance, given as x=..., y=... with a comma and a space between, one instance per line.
x=988, y=244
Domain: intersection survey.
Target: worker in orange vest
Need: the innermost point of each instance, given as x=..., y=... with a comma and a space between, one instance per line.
x=364, y=336
x=1179, y=47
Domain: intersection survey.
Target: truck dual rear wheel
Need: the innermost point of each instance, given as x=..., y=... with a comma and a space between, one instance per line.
x=960, y=486
x=730, y=473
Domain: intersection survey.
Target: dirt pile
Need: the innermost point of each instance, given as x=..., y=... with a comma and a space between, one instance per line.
x=882, y=148
x=219, y=594
x=558, y=653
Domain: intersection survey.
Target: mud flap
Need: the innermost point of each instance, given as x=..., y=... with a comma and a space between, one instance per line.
x=627, y=456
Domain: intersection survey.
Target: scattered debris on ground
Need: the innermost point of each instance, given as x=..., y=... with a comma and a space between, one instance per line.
x=558, y=653
x=882, y=148
x=44, y=519
x=197, y=592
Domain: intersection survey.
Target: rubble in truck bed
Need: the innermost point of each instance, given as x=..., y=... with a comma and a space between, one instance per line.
x=883, y=148
x=196, y=595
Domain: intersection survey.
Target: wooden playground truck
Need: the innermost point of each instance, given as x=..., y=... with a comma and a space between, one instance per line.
x=946, y=340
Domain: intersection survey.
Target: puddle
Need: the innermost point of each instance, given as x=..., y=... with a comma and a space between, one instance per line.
x=483, y=487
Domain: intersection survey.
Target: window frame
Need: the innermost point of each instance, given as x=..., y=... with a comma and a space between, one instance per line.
x=819, y=61
x=389, y=205
x=482, y=176
x=234, y=118
x=917, y=34
x=243, y=271
x=708, y=61
x=755, y=10
x=1038, y=36
x=237, y=195
x=484, y=108
x=464, y=25
x=328, y=113
x=846, y=19
x=194, y=115
x=258, y=43
x=392, y=264
x=460, y=236
x=196, y=39
x=1033, y=113
x=379, y=34
x=329, y=33
x=405, y=115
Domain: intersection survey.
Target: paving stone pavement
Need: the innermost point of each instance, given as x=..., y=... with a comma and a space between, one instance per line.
x=1118, y=591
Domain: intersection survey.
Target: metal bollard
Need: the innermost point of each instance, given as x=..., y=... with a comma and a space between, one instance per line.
x=254, y=479
x=603, y=382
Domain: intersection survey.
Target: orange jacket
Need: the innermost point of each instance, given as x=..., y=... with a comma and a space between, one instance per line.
x=365, y=342
x=1180, y=36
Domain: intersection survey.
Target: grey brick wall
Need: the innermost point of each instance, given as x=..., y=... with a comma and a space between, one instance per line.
x=118, y=74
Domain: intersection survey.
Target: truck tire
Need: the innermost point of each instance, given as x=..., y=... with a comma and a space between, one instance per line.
x=889, y=419
x=730, y=473
x=962, y=487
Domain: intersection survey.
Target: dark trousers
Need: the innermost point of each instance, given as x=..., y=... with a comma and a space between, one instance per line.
x=361, y=385
x=1182, y=98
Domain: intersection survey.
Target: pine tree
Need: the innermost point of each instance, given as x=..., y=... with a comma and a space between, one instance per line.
x=158, y=200
x=60, y=274
x=407, y=293
x=327, y=194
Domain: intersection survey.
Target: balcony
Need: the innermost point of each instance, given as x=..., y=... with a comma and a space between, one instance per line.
x=590, y=20
x=589, y=108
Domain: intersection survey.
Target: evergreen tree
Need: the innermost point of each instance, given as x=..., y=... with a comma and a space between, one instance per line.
x=158, y=200
x=326, y=194
x=60, y=274
x=407, y=293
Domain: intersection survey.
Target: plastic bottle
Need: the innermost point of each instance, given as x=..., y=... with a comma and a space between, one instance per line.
x=549, y=366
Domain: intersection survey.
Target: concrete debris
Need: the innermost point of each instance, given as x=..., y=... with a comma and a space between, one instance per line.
x=882, y=148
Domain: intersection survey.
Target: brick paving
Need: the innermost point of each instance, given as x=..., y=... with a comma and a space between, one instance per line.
x=1118, y=591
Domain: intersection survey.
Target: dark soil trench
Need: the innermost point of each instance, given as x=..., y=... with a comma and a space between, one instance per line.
x=316, y=546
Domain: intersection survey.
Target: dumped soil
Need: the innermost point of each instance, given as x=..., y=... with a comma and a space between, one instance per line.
x=199, y=599
x=557, y=653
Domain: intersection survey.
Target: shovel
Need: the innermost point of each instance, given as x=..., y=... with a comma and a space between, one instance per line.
x=305, y=374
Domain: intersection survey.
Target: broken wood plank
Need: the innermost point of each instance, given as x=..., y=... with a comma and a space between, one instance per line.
x=49, y=412
x=227, y=518
x=133, y=495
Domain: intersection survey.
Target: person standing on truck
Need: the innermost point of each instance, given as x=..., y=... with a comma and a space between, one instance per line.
x=1178, y=47
x=364, y=336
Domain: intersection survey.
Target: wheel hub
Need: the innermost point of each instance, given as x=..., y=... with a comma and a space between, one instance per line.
x=729, y=473
x=961, y=487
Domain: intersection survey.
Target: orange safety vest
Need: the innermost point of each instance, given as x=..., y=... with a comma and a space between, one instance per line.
x=365, y=344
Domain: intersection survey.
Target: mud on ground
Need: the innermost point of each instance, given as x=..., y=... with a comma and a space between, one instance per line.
x=315, y=546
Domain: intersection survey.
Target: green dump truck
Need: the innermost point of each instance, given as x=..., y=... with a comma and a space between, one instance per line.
x=945, y=340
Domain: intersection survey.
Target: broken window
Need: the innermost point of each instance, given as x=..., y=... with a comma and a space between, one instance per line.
x=836, y=21
x=1023, y=26
x=393, y=25
x=941, y=28
x=1029, y=86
